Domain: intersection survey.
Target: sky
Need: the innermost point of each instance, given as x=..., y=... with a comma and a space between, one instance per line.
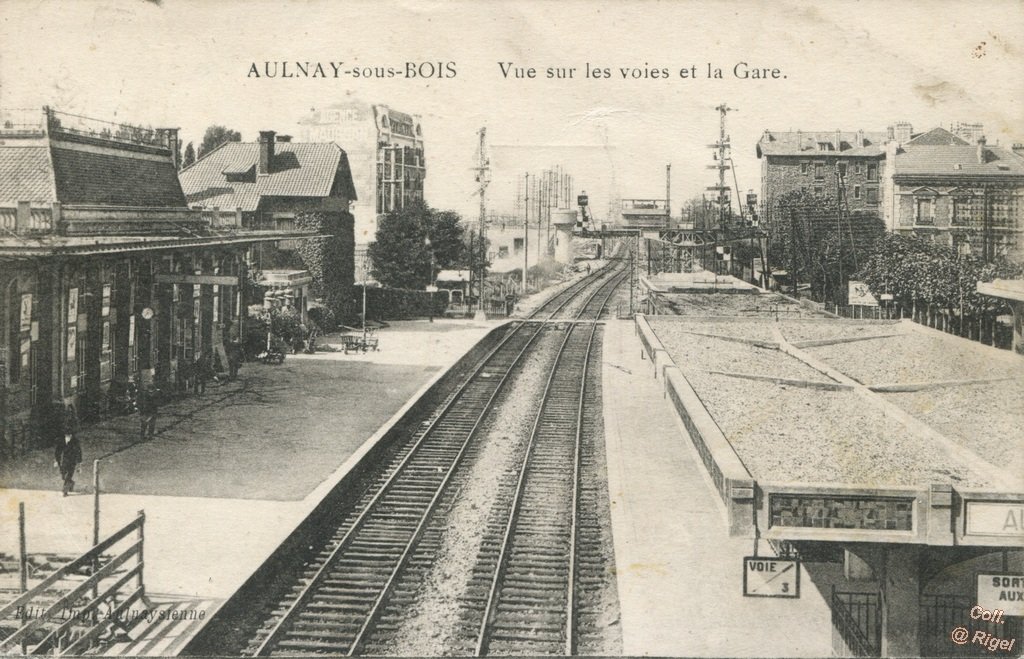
x=842, y=65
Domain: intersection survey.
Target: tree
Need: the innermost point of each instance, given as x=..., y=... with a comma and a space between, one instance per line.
x=215, y=136
x=401, y=254
x=925, y=277
x=190, y=155
x=329, y=258
x=818, y=243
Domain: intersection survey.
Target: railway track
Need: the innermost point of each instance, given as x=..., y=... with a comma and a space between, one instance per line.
x=538, y=547
x=343, y=589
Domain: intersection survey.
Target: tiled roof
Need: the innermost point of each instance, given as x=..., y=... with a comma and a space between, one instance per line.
x=806, y=143
x=86, y=177
x=25, y=175
x=956, y=160
x=298, y=170
x=938, y=137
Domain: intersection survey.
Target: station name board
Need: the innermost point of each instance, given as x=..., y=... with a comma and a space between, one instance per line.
x=1003, y=518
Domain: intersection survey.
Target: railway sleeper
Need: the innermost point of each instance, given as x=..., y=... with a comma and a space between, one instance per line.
x=531, y=588
x=312, y=621
x=513, y=607
x=307, y=646
x=530, y=578
x=521, y=624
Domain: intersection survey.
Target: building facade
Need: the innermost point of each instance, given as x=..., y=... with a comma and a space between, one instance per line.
x=386, y=155
x=107, y=277
x=267, y=183
x=823, y=163
x=951, y=187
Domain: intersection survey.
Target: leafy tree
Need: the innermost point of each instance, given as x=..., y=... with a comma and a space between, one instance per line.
x=329, y=258
x=401, y=255
x=921, y=274
x=818, y=244
x=190, y=155
x=215, y=136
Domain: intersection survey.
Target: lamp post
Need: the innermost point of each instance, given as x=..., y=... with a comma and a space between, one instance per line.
x=364, y=300
x=430, y=281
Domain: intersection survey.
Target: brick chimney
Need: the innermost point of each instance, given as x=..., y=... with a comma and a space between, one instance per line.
x=903, y=132
x=860, y=138
x=266, y=151
x=839, y=140
x=799, y=140
x=981, y=150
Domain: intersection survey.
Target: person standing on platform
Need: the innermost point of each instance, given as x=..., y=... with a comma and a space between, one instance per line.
x=149, y=405
x=67, y=456
x=201, y=372
x=234, y=350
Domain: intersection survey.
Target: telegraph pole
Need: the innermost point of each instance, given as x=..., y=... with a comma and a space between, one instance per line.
x=526, y=231
x=483, y=177
x=722, y=158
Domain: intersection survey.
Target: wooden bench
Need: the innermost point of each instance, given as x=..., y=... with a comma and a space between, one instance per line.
x=356, y=343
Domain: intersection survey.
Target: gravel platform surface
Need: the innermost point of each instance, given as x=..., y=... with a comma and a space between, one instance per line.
x=986, y=418
x=837, y=328
x=755, y=329
x=692, y=352
x=795, y=434
x=799, y=435
x=734, y=304
x=920, y=357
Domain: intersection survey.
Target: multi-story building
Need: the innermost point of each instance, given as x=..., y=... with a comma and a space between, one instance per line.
x=953, y=188
x=106, y=275
x=386, y=155
x=802, y=160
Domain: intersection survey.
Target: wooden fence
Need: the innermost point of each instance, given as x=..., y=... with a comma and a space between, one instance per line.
x=83, y=610
x=984, y=328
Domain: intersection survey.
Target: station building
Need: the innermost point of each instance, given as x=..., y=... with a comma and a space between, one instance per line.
x=267, y=183
x=386, y=153
x=107, y=277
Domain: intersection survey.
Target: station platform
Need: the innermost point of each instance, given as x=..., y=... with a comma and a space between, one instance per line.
x=680, y=574
x=231, y=472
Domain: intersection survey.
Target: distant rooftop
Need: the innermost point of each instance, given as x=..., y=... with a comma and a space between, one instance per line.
x=807, y=143
x=228, y=176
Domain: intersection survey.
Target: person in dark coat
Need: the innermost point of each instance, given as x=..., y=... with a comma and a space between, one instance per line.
x=202, y=371
x=234, y=350
x=149, y=405
x=67, y=456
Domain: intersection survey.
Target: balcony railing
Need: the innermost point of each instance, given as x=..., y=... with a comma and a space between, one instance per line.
x=22, y=123
x=25, y=218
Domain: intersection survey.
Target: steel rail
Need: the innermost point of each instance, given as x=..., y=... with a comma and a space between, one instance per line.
x=421, y=526
x=570, y=606
x=285, y=621
x=490, y=610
